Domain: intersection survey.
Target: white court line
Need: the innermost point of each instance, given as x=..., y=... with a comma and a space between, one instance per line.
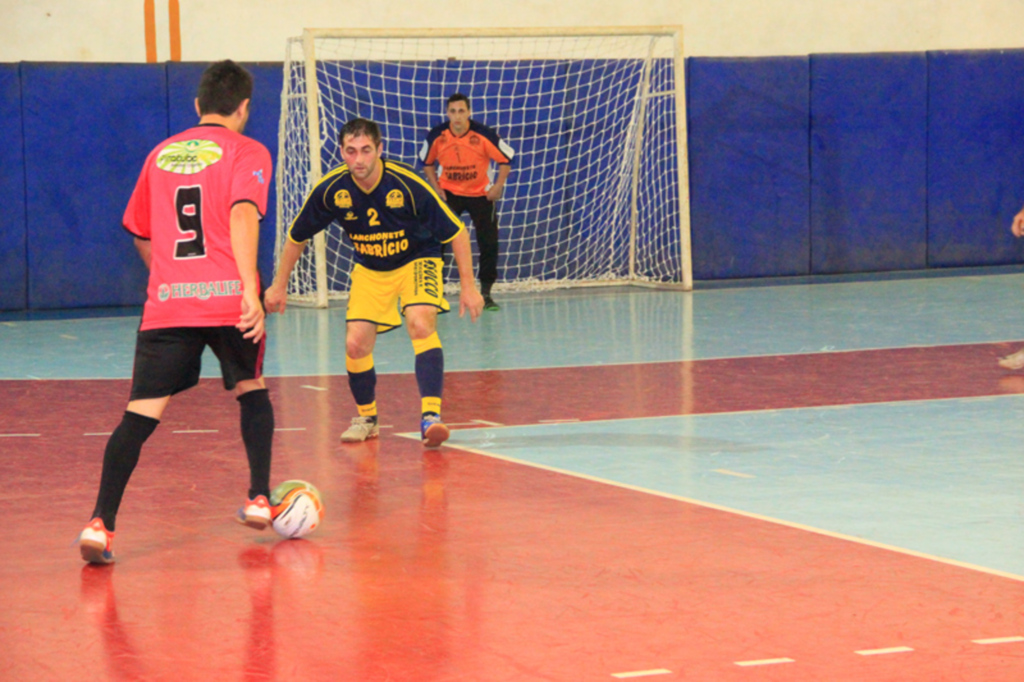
x=764, y=661
x=999, y=640
x=197, y=431
x=292, y=428
x=732, y=473
x=108, y=433
x=69, y=336
x=474, y=422
x=642, y=673
x=314, y=388
x=20, y=435
x=881, y=652
x=740, y=512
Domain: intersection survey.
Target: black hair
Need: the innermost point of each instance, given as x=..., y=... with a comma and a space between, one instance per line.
x=459, y=97
x=357, y=127
x=223, y=87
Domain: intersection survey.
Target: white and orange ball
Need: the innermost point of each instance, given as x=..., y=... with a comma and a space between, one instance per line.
x=296, y=508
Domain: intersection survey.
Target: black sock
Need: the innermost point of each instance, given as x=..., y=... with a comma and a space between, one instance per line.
x=257, y=434
x=119, y=460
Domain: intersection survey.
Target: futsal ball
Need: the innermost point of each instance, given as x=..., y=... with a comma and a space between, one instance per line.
x=296, y=508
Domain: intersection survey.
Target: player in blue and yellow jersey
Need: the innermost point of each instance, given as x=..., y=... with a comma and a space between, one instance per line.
x=397, y=224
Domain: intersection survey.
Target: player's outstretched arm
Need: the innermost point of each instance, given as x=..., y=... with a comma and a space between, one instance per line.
x=469, y=298
x=276, y=297
x=245, y=239
x=1018, y=224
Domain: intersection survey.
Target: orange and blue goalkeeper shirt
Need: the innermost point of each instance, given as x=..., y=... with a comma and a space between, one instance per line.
x=182, y=204
x=465, y=159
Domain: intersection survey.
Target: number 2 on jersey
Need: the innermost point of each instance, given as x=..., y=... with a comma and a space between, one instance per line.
x=188, y=206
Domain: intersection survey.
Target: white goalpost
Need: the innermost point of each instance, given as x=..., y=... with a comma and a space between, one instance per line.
x=598, y=192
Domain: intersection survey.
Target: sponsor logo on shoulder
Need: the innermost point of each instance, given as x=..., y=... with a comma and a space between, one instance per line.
x=189, y=157
x=342, y=199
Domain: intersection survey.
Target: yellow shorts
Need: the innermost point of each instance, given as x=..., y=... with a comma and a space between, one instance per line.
x=377, y=296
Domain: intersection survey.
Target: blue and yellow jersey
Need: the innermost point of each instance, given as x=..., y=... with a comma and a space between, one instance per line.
x=399, y=220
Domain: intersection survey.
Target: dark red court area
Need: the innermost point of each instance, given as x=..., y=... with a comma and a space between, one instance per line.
x=450, y=565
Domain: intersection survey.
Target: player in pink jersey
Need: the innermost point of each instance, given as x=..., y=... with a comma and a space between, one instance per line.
x=195, y=216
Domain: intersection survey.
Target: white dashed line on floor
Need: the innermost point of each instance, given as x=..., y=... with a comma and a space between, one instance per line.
x=882, y=652
x=641, y=673
x=999, y=640
x=764, y=661
x=737, y=474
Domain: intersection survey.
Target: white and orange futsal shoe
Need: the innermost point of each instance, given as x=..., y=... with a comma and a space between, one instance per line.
x=255, y=513
x=95, y=543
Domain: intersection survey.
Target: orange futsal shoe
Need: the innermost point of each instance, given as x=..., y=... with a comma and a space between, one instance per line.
x=95, y=543
x=255, y=513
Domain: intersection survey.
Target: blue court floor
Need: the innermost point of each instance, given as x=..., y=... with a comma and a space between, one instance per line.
x=579, y=327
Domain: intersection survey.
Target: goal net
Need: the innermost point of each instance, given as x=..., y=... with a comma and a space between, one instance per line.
x=598, y=189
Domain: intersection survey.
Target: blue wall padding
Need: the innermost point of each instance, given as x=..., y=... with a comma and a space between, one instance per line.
x=749, y=174
x=975, y=156
x=833, y=163
x=868, y=162
x=264, y=118
x=88, y=128
x=13, y=266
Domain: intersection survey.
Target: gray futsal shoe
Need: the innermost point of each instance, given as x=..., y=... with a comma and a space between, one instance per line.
x=362, y=428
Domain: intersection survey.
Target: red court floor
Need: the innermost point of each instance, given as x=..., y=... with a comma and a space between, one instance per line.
x=450, y=565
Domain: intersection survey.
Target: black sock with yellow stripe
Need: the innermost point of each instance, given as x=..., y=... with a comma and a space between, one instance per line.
x=429, y=372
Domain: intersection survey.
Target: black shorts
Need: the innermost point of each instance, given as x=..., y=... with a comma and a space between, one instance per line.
x=168, y=361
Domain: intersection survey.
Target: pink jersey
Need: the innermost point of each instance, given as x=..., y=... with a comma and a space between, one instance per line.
x=182, y=204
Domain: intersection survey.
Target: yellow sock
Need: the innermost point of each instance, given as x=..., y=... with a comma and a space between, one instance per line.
x=431, y=404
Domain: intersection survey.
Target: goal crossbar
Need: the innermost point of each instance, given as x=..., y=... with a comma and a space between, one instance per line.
x=613, y=219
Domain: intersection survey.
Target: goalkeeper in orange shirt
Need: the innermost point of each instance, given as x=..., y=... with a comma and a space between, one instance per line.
x=464, y=149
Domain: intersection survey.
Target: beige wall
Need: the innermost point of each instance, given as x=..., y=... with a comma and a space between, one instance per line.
x=254, y=30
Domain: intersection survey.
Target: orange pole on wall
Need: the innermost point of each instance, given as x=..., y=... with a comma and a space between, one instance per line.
x=150, y=13
x=174, y=15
